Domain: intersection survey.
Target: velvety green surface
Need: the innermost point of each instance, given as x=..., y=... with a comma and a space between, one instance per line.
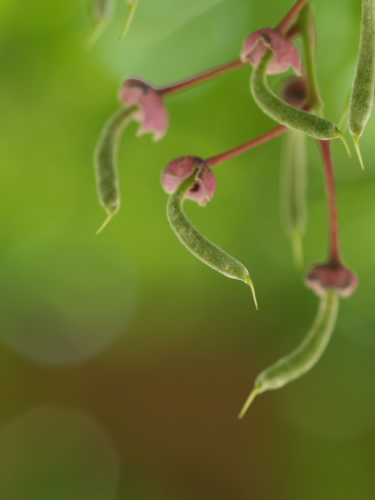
x=125, y=334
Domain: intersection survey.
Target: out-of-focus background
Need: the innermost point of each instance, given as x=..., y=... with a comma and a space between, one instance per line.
x=123, y=360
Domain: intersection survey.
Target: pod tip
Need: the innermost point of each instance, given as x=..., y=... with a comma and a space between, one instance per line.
x=251, y=285
x=257, y=389
x=92, y=37
x=132, y=6
x=358, y=150
x=111, y=213
x=342, y=137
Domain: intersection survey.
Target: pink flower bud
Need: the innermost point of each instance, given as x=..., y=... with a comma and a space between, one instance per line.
x=152, y=113
x=180, y=169
x=323, y=276
x=285, y=56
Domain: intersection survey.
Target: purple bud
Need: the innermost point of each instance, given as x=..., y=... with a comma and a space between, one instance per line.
x=180, y=169
x=152, y=113
x=285, y=56
x=323, y=276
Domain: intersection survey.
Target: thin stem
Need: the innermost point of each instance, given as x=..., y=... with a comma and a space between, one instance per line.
x=334, y=250
x=307, y=28
x=285, y=26
x=232, y=153
x=220, y=158
x=288, y=19
x=201, y=78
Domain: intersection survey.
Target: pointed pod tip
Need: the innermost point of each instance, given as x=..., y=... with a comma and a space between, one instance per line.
x=111, y=213
x=257, y=389
x=251, y=285
x=358, y=150
x=132, y=5
x=345, y=142
x=92, y=37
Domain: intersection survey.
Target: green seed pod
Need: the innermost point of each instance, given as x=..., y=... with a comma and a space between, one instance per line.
x=105, y=162
x=363, y=87
x=101, y=12
x=293, y=191
x=305, y=356
x=287, y=115
x=197, y=244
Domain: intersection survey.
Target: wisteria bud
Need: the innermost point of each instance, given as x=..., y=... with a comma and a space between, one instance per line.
x=152, y=113
x=285, y=55
x=324, y=276
x=178, y=170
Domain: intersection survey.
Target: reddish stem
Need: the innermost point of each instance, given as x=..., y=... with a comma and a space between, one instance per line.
x=203, y=77
x=220, y=158
x=284, y=26
x=267, y=136
x=334, y=258
x=288, y=19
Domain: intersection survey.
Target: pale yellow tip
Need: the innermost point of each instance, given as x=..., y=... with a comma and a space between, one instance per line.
x=342, y=137
x=106, y=222
x=358, y=150
x=250, y=283
x=129, y=17
x=93, y=37
x=249, y=400
x=297, y=249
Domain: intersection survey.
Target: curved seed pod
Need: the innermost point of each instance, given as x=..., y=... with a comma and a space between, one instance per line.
x=363, y=87
x=197, y=244
x=293, y=191
x=287, y=115
x=305, y=356
x=105, y=162
x=131, y=11
x=101, y=12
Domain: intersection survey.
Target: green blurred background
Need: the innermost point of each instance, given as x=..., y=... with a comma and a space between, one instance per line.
x=124, y=360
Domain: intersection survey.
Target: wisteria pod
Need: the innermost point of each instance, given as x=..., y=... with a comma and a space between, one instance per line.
x=105, y=162
x=362, y=96
x=287, y=115
x=305, y=356
x=196, y=243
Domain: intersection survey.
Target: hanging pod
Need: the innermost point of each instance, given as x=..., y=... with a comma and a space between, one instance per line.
x=293, y=191
x=105, y=162
x=363, y=86
x=288, y=115
x=199, y=245
x=305, y=356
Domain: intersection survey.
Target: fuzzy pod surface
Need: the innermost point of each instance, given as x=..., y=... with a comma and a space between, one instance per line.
x=305, y=356
x=199, y=245
x=105, y=160
x=362, y=96
x=284, y=113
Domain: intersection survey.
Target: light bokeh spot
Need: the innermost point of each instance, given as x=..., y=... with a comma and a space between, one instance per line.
x=53, y=453
x=66, y=295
